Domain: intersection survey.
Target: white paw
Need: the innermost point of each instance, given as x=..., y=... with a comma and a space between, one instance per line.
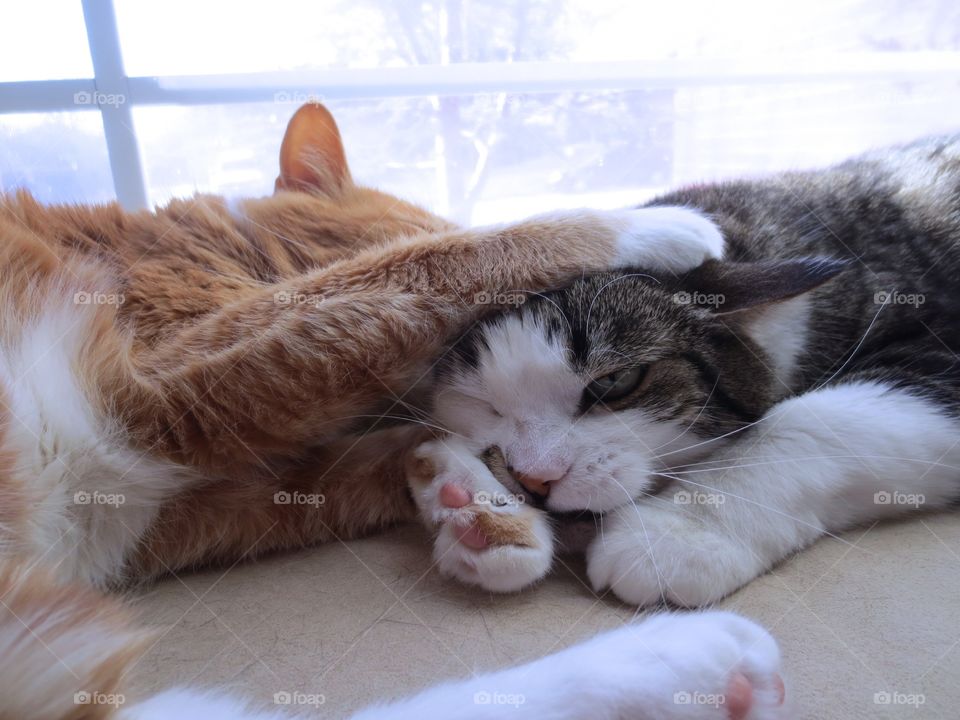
x=499, y=568
x=685, y=666
x=486, y=536
x=655, y=551
x=669, y=238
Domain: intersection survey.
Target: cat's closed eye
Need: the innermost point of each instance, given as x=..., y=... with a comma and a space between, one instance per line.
x=615, y=385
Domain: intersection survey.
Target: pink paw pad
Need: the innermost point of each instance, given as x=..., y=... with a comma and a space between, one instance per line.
x=454, y=496
x=739, y=698
x=473, y=537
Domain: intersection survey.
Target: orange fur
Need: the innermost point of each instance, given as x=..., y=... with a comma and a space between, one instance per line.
x=65, y=648
x=203, y=366
x=506, y=529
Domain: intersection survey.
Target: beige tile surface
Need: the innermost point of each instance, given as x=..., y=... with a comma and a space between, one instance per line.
x=877, y=611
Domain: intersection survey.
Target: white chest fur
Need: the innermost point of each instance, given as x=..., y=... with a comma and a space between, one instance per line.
x=91, y=496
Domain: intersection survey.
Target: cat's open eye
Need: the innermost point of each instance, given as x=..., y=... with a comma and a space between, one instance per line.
x=616, y=385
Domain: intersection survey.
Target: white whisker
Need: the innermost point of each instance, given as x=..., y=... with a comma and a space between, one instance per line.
x=679, y=471
x=859, y=344
x=714, y=439
x=552, y=302
x=818, y=528
x=646, y=536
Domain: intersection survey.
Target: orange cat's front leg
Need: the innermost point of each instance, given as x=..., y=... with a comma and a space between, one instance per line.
x=292, y=365
x=346, y=490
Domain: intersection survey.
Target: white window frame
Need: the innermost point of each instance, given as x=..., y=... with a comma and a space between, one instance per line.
x=126, y=165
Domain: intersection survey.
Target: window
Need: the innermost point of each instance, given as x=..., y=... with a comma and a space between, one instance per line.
x=481, y=110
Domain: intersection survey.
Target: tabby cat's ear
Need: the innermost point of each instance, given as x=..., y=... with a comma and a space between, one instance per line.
x=731, y=286
x=311, y=156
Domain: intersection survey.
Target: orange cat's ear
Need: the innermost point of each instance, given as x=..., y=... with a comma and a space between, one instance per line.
x=311, y=156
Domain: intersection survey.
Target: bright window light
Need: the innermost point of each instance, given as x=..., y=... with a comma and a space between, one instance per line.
x=482, y=111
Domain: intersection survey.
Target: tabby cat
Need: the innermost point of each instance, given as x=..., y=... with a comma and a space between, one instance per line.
x=711, y=424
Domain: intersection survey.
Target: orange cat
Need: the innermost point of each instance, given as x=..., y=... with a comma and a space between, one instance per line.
x=200, y=383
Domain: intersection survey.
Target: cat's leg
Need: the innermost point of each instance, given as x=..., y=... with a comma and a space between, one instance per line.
x=819, y=463
x=485, y=535
x=347, y=489
x=291, y=365
x=693, y=666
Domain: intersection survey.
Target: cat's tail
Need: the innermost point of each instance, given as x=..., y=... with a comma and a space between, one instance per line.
x=64, y=649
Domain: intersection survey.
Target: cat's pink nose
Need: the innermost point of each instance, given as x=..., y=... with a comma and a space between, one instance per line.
x=536, y=485
x=538, y=478
x=453, y=496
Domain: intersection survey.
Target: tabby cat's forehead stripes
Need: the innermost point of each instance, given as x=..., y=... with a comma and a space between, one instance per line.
x=612, y=322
